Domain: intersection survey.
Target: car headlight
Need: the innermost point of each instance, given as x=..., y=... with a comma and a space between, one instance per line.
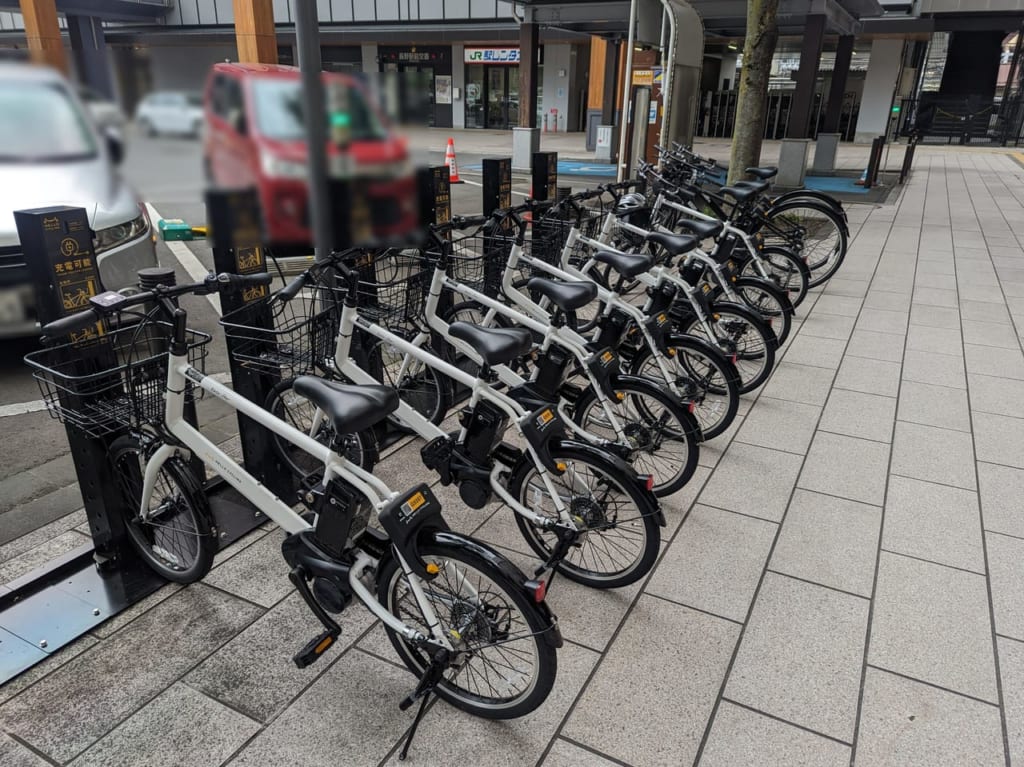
x=113, y=236
x=275, y=167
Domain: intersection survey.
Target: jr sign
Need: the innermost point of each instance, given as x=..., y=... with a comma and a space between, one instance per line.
x=492, y=55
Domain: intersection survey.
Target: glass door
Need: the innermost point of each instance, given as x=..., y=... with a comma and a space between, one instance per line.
x=497, y=112
x=512, y=80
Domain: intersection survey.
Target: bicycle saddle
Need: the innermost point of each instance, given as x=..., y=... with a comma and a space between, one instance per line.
x=629, y=265
x=567, y=296
x=739, y=193
x=675, y=244
x=350, y=408
x=496, y=346
x=759, y=186
x=703, y=229
x=763, y=173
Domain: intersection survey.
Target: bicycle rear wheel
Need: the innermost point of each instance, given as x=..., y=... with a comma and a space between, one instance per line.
x=740, y=333
x=420, y=386
x=508, y=665
x=813, y=231
x=787, y=271
x=177, y=540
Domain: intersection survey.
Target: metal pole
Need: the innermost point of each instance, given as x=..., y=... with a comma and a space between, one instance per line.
x=668, y=65
x=307, y=44
x=627, y=86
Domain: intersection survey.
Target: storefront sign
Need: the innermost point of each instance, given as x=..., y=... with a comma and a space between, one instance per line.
x=414, y=56
x=443, y=89
x=492, y=55
x=643, y=77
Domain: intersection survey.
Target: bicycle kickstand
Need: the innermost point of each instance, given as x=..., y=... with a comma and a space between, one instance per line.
x=430, y=679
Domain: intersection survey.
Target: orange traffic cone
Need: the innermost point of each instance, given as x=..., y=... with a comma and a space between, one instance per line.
x=449, y=162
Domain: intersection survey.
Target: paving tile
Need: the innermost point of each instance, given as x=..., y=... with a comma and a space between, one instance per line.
x=125, y=617
x=856, y=414
x=876, y=346
x=934, y=339
x=350, y=713
x=999, y=439
x=779, y=424
x=883, y=299
x=145, y=657
x=847, y=467
x=935, y=297
x=934, y=455
x=20, y=545
x=929, y=278
x=908, y=724
x=934, y=405
x=929, y=368
x=839, y=286
x=180, y=726
x=883, y=321
x=994, y=334
x=621, y=712
x=827, y=326
x=753, y=480
x=846, y=306
x=991, y=293
x=935, y=316
x=715, y=563
x=254, y=672
x=931, y=622
x=830, y=541
x=13, y=754
x=984, y=311
x=676, y=506
x=711, y=452
x=38, y=556
x=815, y=351
x=801, y=656
x=1011, y=670
x=464, y=739
x=1001, y=488
x=869, y=376
x=1002, y=396
x=934, y=522
x=47, y=665
x=566, y=754
x=257, y=573
x=799, y=383
x=1006, y=573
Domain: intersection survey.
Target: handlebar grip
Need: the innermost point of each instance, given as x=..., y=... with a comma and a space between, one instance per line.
x=289, y=291
x=244, y=280
x=464, y=222
x=71, y=323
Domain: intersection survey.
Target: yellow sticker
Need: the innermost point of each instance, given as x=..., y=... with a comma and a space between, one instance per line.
x=546, y=417
x=662, y=318
x=607, y=357
x=416, y=501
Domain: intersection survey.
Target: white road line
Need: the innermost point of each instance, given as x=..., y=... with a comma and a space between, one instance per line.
x=21, y=408
x=474, y=183
x=187, y=259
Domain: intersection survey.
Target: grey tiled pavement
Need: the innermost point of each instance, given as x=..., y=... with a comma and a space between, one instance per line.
x=841, y=582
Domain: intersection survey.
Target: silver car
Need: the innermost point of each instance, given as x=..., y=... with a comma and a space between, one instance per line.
x=51, y=154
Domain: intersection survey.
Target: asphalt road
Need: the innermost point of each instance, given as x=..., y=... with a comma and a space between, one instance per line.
x=37, y=478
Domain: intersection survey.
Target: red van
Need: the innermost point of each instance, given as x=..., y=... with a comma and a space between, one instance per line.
x=254, y=136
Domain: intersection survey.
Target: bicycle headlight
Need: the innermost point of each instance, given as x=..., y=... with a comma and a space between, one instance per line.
x=113, y=236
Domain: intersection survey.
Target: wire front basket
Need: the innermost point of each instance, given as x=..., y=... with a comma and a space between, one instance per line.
x=477, y=257
x=114, y=381
x=550, y=233
x=393, y=287
x=284, y=337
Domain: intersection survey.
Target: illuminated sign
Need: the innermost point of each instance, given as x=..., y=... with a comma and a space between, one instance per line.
x=492, y=55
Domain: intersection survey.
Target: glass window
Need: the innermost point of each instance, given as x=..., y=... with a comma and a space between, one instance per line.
x=41, y=125
x=278, y=108
x=474, y=96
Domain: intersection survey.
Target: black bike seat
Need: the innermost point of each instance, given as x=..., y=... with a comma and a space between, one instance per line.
x=629, y=265
x=764, y=173
x=703, y=229
x=739, y=193
x=758, y=186
x=675, y=244
x=350, y=408
x=567, y=296
x=496, y=346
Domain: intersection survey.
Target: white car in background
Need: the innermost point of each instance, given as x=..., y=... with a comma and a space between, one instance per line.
x=170, y=112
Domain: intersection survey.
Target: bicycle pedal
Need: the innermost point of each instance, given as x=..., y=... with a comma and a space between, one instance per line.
x=314, y=649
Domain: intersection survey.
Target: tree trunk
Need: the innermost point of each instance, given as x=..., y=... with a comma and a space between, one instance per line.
x=758, y=49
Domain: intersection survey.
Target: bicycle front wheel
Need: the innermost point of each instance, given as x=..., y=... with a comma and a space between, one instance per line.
x=505, y=666
x=176, y=539
x=787, y=271
x=811, y=230
x=620, y=541
x=769, y=301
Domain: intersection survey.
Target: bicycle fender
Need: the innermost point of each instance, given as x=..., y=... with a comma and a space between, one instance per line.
x=651, y=506
x=553, y=636
x=406, y=518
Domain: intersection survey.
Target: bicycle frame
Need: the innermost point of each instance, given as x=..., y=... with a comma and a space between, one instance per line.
x=179, y=372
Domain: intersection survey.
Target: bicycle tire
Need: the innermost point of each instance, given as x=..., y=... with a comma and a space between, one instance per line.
x=745, y=337
x=766, y=298
x=612, y=477
x=649, y=432
x=443, y=549
x=179, y=496
x=786, y=270
x=282, y=402
x=422, y=387
x=814, y=231
x=704, y=376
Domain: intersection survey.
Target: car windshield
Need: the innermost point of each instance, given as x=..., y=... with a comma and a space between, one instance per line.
x=279, y=112
x=41, y=124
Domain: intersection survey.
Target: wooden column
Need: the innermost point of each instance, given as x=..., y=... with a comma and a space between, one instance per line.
x=254, y=31
x=43, y=33
x=529, y=41
x=595, y=86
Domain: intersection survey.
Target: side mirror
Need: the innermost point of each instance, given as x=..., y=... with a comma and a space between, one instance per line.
x=238, y=121
x=115, y=144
